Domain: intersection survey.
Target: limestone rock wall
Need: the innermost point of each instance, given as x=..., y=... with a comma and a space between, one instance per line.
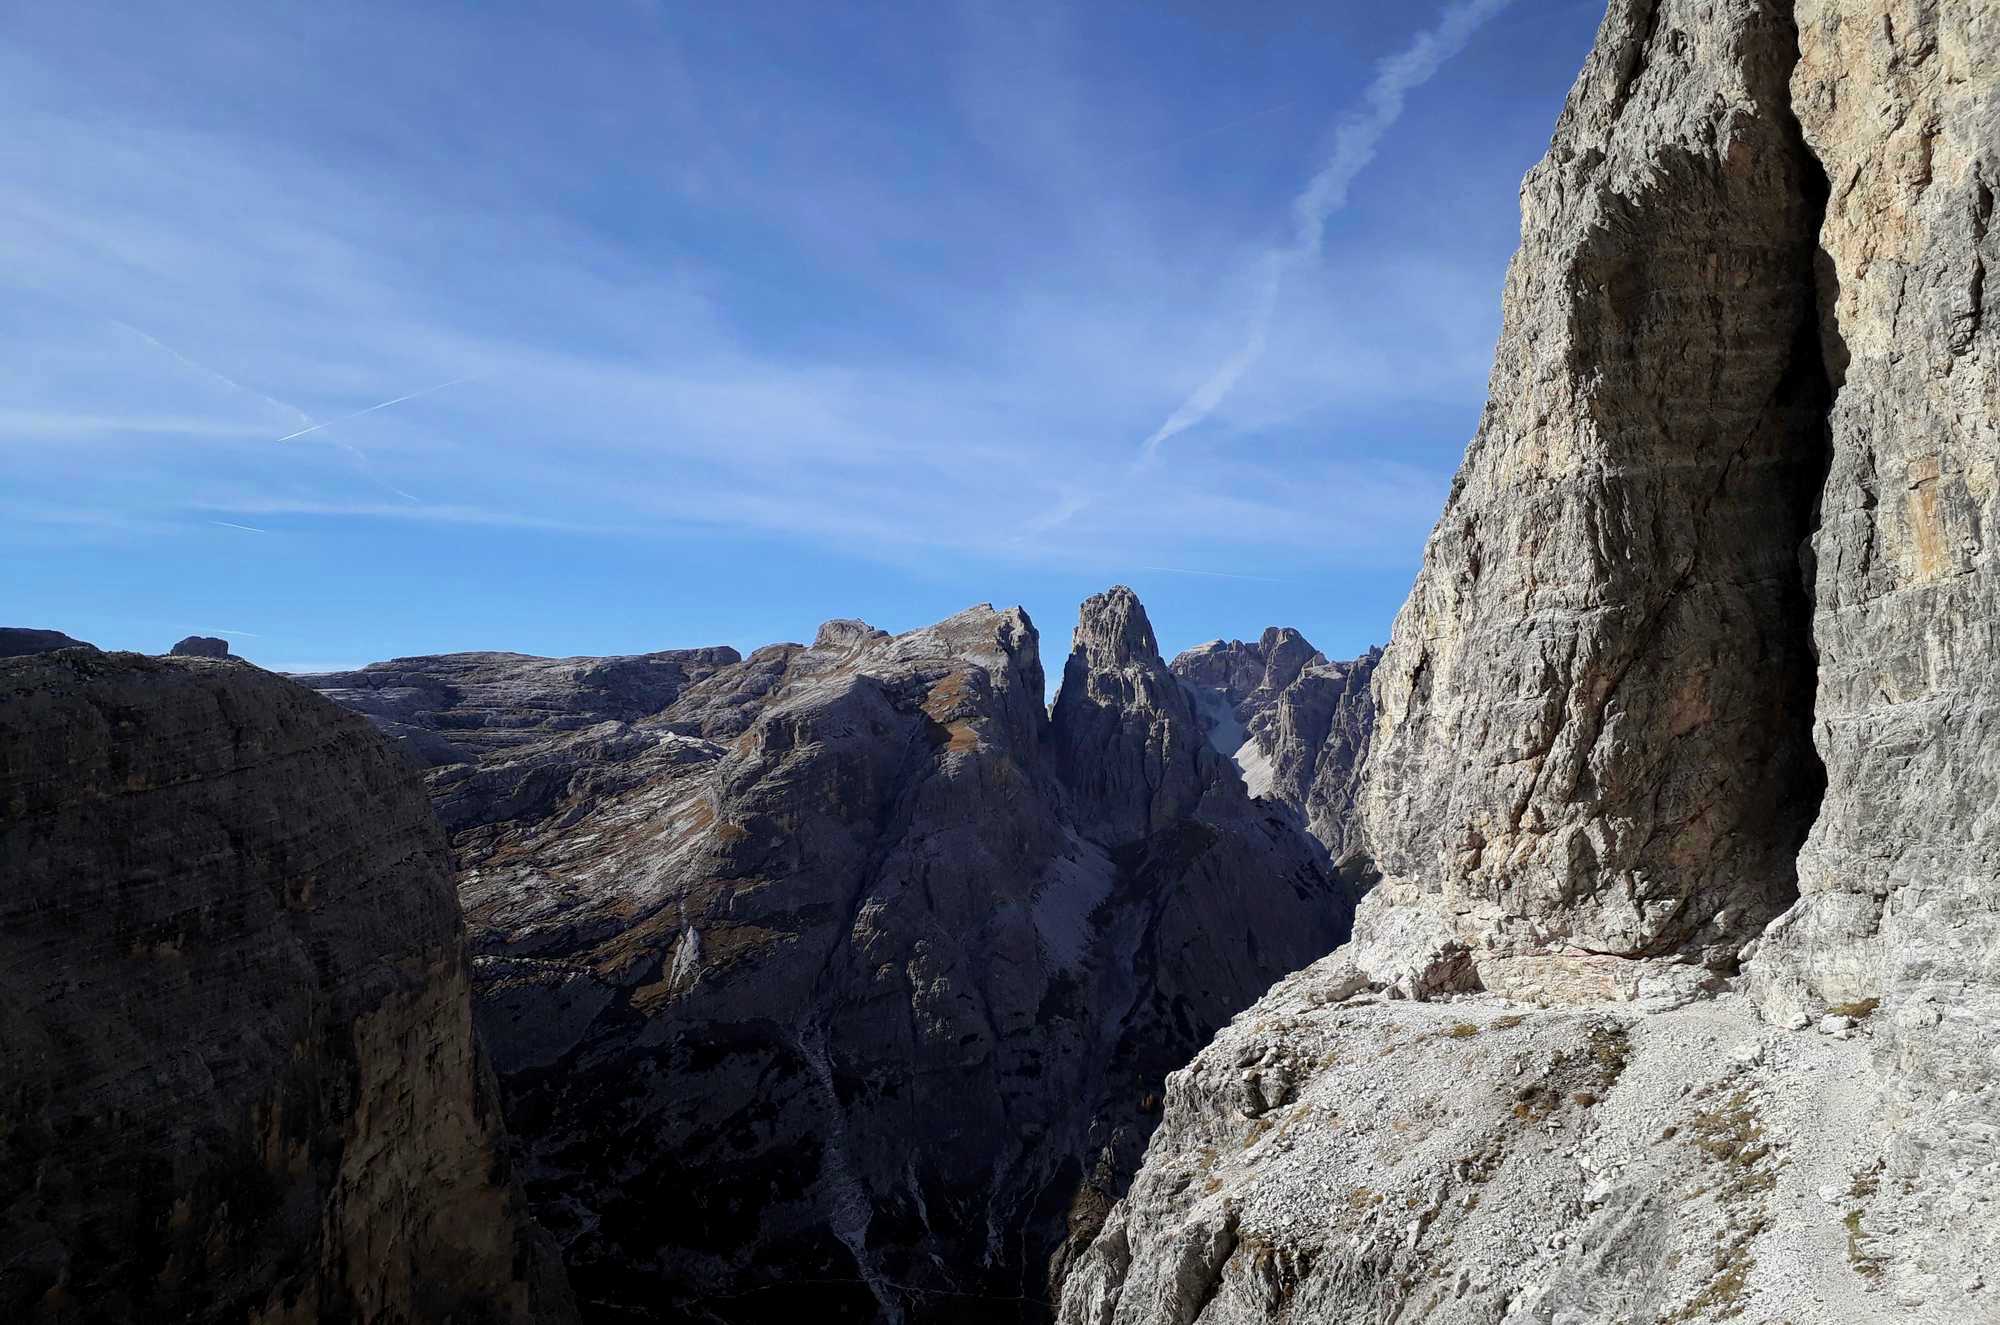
x=238, y=1075
x=1593, y=725
x=1901, y=875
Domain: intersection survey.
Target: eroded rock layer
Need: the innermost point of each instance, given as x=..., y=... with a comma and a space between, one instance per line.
x=864, y=959
x=1594, y=709
x=238, y=1075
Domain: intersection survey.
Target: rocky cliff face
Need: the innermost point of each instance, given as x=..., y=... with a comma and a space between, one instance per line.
x=1297, y=725
x=871, y=964
x=1730, y=493
x=238, y=1076
x=1595, y=707
x=1902, y=105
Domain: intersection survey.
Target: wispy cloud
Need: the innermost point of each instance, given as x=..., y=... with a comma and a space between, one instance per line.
x=1355, y=139
x=777, y=334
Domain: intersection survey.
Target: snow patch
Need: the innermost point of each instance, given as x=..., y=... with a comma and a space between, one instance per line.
x=1256, y=766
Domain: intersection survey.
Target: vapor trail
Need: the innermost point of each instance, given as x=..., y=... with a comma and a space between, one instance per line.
x=372, y=408
x=210, y=373
x=246, y=528
x=1355, y=138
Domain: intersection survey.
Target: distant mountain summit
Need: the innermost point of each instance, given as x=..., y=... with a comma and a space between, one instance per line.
x=1296, y=724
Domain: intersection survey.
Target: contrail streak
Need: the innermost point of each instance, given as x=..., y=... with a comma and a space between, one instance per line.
x=210, y=373
x=372, y=408
x=246, y=528
x=195, y=365
x=1355, y=138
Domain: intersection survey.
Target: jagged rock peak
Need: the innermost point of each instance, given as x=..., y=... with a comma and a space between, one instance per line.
x=826, y=939
x=1112, y=630
x=200, y=646
x=1128, y=742
x=21, y=641
x=847, y=633
x=1296, y=725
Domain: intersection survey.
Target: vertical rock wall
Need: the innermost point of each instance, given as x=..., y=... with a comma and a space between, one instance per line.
x=238, y=1076
x=1901, y=101
x=1593, y=714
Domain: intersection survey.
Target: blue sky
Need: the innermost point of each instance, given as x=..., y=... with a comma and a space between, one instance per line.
x=752, y=314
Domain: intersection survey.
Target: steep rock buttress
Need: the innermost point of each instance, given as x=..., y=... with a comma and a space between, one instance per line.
x=238, y=1076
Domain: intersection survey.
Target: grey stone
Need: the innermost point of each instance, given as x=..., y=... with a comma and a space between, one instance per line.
x=1898, y=879
x=1590, y=786
x=238, y=1073
x=1594, y=710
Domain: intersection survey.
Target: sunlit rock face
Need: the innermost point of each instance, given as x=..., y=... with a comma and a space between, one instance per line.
x=1297, y=725
x=1678, y=1000
x=1594, y=724
x=1902, y=106
x=238, y=1074
x=870, y=962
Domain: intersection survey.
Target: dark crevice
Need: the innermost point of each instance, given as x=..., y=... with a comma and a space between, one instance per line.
x=1814, y=375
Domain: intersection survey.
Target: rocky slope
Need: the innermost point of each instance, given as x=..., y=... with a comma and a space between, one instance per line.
x=238, y=1074
x=1472, y=1161
x=1297, y=725
x=871, y=963
x=1688, y=719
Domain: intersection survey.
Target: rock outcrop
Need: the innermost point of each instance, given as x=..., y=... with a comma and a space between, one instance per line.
x=1297, y=725
x=20, y=641
x=870, y=963
x=238, y=1074
x=1595, y=708
x=200, y=646
x=1730, y=492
